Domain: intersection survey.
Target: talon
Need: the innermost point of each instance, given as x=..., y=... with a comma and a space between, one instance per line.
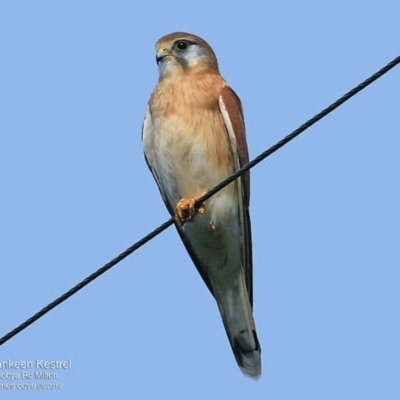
x=201, y=209
x=186, y=211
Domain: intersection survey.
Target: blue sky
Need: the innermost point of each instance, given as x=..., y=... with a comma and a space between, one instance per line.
x=75, y=80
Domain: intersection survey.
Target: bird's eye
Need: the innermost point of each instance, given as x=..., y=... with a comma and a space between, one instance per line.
x=182, y=46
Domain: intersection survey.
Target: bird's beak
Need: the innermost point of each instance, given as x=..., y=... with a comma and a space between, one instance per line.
x=162, y=52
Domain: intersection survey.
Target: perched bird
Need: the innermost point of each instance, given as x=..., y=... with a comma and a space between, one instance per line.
x=194, y=137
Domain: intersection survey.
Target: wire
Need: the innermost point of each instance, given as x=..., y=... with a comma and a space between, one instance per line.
x=86, y=281
x=202, y=199
x=297, y=132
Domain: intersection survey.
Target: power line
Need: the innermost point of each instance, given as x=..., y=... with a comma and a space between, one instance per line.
x=202, y=199
x=297, y=132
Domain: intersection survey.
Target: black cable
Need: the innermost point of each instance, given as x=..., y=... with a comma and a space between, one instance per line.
x=86, y=281
x=202, y=199
x=299, y=130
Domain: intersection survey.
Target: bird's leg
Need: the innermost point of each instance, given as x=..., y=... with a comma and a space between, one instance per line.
x=185, y=211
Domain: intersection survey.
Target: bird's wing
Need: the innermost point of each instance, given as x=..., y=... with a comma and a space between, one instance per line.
x=146, y=131
x=148, y=134
x=232, y=113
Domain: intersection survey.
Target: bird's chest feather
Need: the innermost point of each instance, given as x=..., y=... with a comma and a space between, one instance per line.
x=187, y=143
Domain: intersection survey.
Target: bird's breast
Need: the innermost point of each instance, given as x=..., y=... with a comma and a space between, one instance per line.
x=187, y=143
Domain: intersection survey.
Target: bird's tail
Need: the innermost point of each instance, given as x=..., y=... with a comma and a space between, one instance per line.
x=237, y=315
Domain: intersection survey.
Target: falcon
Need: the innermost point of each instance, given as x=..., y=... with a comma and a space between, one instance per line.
x=193, y=138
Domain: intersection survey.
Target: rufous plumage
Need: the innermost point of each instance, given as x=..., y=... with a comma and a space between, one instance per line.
x=194, y=137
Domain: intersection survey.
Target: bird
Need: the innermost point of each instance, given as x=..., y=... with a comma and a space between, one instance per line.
x=194, y=137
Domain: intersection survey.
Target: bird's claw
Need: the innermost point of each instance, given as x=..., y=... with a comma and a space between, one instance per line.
x=186, y=211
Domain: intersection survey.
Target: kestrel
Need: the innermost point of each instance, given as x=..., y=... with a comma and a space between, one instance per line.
x=194, y=137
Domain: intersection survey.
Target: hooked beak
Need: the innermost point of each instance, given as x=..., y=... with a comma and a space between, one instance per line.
x=159, y=58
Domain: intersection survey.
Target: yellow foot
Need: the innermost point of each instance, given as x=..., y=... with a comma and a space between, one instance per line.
x=186, y=211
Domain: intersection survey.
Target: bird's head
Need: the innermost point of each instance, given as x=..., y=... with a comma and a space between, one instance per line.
x=183, y=52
